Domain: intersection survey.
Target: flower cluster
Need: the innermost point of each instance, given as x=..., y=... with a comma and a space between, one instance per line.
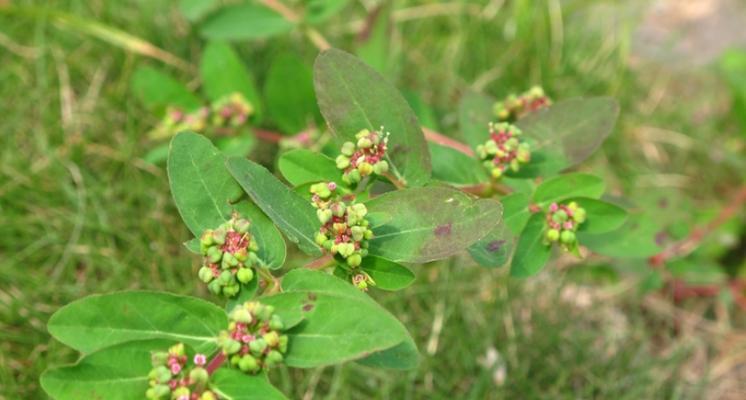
x=221, y=117
x=230, y=111
x=171, y=379
x=253, y=341
x=344, y=229
x=504, y=149
x=365, y=157
x=515, y=107
x=229, y=254
x=562, y=222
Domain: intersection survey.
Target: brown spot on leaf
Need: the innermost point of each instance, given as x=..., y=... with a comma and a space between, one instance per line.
x=307, y=307
x=495, y=245
x=311, y=296
x=443, y=230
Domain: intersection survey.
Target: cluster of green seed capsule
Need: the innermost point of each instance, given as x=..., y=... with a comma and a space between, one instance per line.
x=229, y=255
x=344, y=230
x=253, y=341
x=364, y=157
x=504, y=149
x=562, y=223
x=516, y=106
x=171, y=379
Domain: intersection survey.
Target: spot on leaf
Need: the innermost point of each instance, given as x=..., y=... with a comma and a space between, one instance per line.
x=495, y=245
x=442, y=230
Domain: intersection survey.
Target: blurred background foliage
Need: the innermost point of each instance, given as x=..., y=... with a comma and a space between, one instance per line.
x=82, y=211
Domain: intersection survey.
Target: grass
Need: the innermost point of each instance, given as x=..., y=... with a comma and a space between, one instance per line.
x=83, y=213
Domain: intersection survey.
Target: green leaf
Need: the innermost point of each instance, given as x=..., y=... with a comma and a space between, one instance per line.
x=288, y=91
x=294, y=215
x=245, y=22
x=475, y=114
x=424, y=224
x=205, y=194
x=352, y=96
x=601, y=217
x=374, y=45
x=531, y=254
x=494, y=250
x=223, y=73
x=455, y=167
x=303, y=166
x=318, y=11
x=232, y=384
x=341, y=323
x=194, y=10
x=516, y=212
x=388, y=275
x=569, y=185
x=403, y=356
x=635, y=239
x=569, y=131
x=733, y=67
x=240, y=145
x=119, y=372
x=158, y=90
x=99, y=321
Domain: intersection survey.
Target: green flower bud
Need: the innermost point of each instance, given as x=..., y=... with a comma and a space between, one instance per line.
x=235, y=360
x=283, y=346
x=345, y=249
x=218, y=235
x=245, y=275
x=481, y=151
x=214, y=254
x=381, y=167
x=348, y=149
x=496, y=172
x=567, y=237
x=205, y=240
x=342, y=162
x=242, y=315
x=364, y=143
x=353, y=176
x=225, y=277
x=242, y=226
x=329, y=245
x=553, y=235
x=241, y=255
x=320, y=239
x=365, y=169
x=362, y=133
x=215, y=286
x=159, y=358
x=367, y=235
x=208, y=395
x=158, y=392
x=257, y=346
x=231, y=346
x=271, y=338
x=354, y=260
x=276, y=323
x=205, y=274
x=248, y=364
x=338, y=209
x=324, y=215
x=560, y=216
x=491, y=147
x=274, y=357
x=181, y=391
x=199, y=376
x=579, y=215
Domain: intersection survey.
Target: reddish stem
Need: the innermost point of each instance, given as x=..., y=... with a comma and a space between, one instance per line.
x=690, y=243
x=321, y=262
x=443, y=140
x=216, y=362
